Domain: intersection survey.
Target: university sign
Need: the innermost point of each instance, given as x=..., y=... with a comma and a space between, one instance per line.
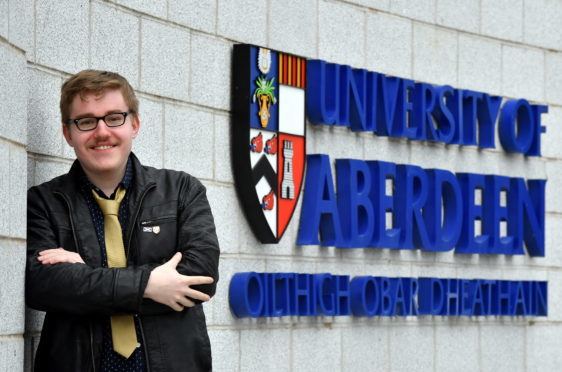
x=431, y=209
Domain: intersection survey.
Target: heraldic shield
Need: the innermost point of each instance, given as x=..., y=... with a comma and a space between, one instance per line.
x=268, y=136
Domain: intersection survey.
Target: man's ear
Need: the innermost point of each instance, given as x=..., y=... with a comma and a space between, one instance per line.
x=136, y=124
x=66, y=133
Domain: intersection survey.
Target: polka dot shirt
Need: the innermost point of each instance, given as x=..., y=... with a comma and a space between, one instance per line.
x=110, y=360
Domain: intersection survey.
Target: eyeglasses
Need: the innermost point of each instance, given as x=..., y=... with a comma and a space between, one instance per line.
x=115, y=119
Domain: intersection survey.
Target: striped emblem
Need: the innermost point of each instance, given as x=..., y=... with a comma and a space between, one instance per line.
x=292, y=70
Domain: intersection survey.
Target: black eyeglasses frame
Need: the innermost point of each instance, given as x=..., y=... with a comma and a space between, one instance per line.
x=98, y=118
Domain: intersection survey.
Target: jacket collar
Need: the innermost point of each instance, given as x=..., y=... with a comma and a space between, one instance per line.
x=70, y=186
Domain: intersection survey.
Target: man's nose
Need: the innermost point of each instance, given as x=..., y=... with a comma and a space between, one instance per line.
x=102, y=129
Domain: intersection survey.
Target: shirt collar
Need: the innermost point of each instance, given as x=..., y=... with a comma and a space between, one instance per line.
x=87, y=186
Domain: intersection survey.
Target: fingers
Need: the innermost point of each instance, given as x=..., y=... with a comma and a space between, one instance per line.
x=197, y=295
x=58, y=255
x=175, y=260
x=186, y=302
x=176, y=306
x=50, y=251
x=194, y=280
x=180, y=303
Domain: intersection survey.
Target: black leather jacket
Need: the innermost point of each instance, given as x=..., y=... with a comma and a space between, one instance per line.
x=78, y=297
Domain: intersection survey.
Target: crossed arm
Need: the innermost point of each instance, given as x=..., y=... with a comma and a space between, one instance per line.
x=58, y=280
x=165, y=285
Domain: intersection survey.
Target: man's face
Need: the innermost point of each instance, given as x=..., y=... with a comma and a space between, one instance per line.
x=102, y=152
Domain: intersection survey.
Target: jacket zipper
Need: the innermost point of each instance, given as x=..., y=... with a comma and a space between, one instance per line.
x=136, y=215
x=158, y=220
x=70, y=213
x=129, y=239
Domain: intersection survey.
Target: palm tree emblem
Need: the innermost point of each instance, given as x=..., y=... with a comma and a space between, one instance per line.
x=265, y=96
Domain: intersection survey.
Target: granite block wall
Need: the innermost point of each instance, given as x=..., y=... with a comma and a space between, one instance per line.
x=177, y=54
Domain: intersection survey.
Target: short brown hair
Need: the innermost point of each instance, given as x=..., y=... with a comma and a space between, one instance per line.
x=88, y=81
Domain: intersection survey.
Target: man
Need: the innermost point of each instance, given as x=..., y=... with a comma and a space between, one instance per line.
x=119, y=255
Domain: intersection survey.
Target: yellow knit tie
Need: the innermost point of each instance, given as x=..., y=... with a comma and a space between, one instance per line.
x=123, y=331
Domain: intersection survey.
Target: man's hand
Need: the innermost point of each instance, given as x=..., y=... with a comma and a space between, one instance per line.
x=168, y=287
x=58, y=255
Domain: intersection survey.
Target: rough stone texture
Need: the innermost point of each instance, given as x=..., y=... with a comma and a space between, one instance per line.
x=293, y=26
x=553, y=80
x=411, y=348
x=210, y=72
x=550, y=141
x=4, y=188
x=13, y=182
x=188, y=141
x=456, y=348
x=4, y=18
x=62, y=45
x=223, y=162
x=44, y=123
x=435, y=55
x=497, y=346
x=386, y=149
x=480, y=66
x=523, y=73
x=373, y=4
x=164, y=60
x=366, y=347
x=336, y=19
x=542, y=348
x=553, y=226
x=45, y=170
x=200, y=15
x=388, y=45
x=225, y=209
x=11, y=353
x=17, y=192
x=338, y=142
x=423, y=10
x=149, y=144
x=542, y=23
x=243, y=21
x=307, y=340
x=425, y=155
x=265, y=351
x=67, y=151
x=554, y=295
x=157, y=8
x=12, y=272
x=222, y=315
x=20, y=22
x=225, y=345
x=553, y=202
x=13, y=96
x=30, y=171
x=115, y=42
x=502, y=19
x=463, y=15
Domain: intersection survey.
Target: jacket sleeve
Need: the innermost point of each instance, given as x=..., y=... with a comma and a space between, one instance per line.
x=75, y=288
x=196, y=240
